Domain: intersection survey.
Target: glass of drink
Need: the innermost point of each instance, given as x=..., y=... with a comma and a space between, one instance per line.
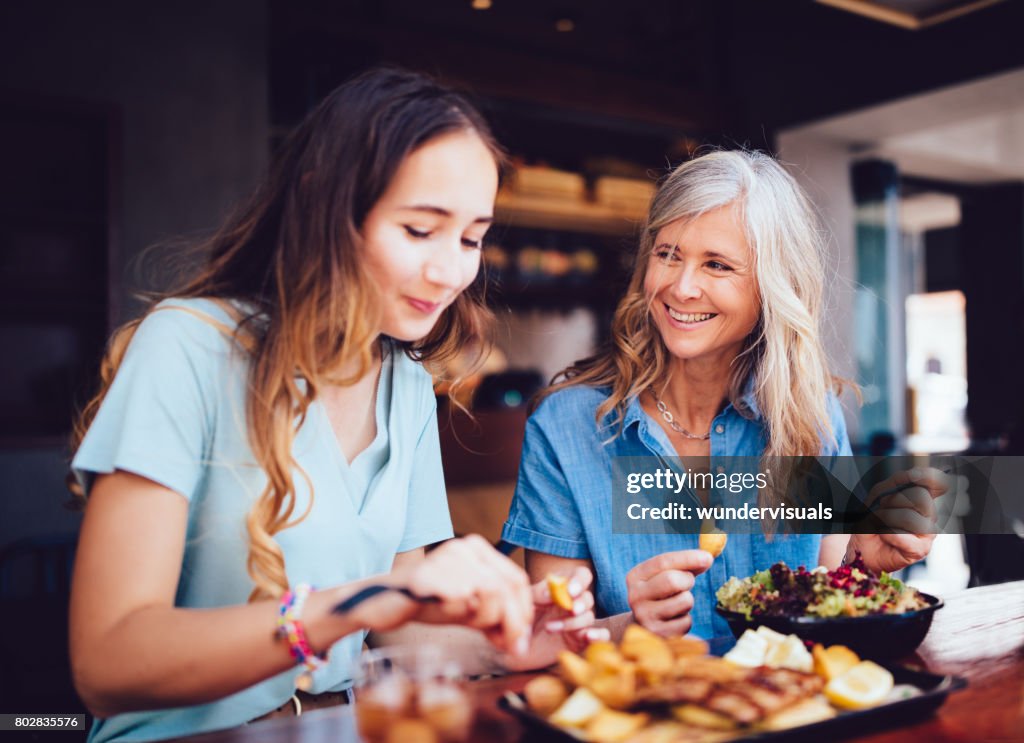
x=411, y=693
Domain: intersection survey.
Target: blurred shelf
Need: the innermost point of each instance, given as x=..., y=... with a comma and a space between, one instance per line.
x=551, y=213
x=553, y=295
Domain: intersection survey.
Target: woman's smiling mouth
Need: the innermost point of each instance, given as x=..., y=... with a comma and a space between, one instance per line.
x=690, y=318
x=422, y=305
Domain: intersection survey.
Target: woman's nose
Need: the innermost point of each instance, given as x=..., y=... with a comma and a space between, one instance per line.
x=442, y=268
x=687, y=285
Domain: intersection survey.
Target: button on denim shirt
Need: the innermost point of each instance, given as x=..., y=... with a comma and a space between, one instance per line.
x=563, y=499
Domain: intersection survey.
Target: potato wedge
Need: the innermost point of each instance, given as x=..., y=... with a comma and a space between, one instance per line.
x=558, y=587
x=604, y=656
x=652, y=654
x=545, y=694
x=713, y=542
x=610, y=726
x=687, y=645
x=694, y=714
x=616, y=689
x=804, y=712
x=574, y=669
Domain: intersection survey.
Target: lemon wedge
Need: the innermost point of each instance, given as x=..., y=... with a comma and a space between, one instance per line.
x=864, y=685
x=833, y=661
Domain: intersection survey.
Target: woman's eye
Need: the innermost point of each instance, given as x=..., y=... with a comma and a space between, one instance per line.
x=418, y=234
x=667, y=254
x=471, y=243
x=719, y=266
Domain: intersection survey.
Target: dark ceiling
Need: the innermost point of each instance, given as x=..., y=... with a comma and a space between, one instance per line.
x=656, y=74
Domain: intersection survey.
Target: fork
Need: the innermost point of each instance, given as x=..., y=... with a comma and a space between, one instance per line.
x=370, y=591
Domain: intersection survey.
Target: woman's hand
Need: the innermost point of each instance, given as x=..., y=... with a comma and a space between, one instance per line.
x=659, y=590
x=476, y=586
x=909, y=513
x=556, y=629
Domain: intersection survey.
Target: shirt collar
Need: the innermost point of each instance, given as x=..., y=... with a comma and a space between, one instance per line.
x=745, y=407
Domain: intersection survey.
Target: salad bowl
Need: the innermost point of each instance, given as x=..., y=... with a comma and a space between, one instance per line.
x=871, y=636
x=875, y=615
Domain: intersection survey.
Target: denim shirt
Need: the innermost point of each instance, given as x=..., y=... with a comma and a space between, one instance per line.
x=563, y=499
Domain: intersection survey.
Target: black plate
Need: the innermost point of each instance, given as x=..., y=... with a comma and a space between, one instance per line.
x=934, y=690
x=873, y=636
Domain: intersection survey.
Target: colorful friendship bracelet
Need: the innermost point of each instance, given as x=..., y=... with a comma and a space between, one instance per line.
x=290, y=627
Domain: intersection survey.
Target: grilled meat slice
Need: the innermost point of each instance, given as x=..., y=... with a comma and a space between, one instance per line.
x=675, y=691
x=763, y=692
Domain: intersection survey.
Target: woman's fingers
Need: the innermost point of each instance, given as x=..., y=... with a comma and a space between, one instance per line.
x=905, y=520
x=511, y=590
x=578, y=640
x=691, y=561
x=673, y=628
x=651, y=614
x=918, y=499
x=674, y=606
x=581, y=607
x=933, y=481
x=581, y=579
x=667, y=584
x=910, y=547
x=572, y=624
x=659, y=589
x=480, y=588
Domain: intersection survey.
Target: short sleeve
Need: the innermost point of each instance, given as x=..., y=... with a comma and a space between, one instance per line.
x=155, y=419
x=842, y=446
x=544, y=516
x=427, y=519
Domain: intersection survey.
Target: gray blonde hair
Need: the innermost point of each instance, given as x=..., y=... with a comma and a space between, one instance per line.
x=783, y=357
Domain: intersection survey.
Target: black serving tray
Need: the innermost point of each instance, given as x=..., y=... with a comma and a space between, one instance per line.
x=934, y=690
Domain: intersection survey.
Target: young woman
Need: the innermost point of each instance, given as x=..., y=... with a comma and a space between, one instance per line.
x=271, y=427
x=715, y=353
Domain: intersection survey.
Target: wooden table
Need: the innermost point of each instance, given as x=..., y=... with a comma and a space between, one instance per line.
x=979, y=635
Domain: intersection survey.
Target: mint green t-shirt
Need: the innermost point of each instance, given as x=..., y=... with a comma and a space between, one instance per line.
x=175, y=414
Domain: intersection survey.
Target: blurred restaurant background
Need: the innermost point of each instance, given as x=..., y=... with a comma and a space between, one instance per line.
x=130, y=125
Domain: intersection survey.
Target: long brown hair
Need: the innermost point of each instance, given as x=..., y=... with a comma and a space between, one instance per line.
x=292, y=255
x=783, y=357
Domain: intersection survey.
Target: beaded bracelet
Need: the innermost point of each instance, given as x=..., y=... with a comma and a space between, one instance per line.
x=290, y=627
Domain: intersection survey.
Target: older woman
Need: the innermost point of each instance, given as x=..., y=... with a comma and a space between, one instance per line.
x=715, y=352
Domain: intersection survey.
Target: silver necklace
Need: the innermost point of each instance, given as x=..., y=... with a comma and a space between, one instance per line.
x=670, y=419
